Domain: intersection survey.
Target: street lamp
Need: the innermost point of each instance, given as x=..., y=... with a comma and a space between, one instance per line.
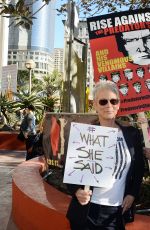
x=30, y=64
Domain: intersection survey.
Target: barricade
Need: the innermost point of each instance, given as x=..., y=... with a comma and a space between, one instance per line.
x=9, y=141
x=37, y=205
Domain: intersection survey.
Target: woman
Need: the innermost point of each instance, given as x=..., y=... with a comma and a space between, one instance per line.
x=103, y=208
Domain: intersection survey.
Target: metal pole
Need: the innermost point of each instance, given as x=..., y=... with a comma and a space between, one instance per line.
x=85, y=49
x=30, y=81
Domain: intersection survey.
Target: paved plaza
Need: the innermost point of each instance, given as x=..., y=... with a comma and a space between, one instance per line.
x=8, y=161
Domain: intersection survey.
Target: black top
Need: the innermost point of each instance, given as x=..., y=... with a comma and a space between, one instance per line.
x=134, y=177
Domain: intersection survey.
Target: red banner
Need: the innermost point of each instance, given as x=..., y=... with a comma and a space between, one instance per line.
x=120, y=46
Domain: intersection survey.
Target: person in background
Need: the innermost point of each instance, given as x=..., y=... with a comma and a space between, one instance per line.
x=104, y=208
x=29, y=130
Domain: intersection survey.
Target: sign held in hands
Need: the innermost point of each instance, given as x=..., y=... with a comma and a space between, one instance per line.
x=90, y=155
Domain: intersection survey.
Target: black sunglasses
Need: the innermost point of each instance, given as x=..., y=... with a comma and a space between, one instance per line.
x=105, y=101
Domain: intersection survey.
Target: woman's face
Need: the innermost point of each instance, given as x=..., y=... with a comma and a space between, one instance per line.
x=108, y=111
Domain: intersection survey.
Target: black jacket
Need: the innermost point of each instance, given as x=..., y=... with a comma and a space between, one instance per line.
x=133, y=138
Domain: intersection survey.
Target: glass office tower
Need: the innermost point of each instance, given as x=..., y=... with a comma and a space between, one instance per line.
x=37, y=43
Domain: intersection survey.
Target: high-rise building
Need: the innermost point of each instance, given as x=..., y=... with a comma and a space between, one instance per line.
x=4, y=22
x=58, y=59
x=37, y=43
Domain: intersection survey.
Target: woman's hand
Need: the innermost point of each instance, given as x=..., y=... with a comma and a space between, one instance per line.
x=147, y=152
x=25, y=135
x=127, y=203
x=83, y=196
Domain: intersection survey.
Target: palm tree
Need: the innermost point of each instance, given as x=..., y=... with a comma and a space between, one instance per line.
x=6, y=108
x=23, y=81
x=45, y=93
x=49, y=103
x=23, y=100
x=51, y=84
x=50, y=90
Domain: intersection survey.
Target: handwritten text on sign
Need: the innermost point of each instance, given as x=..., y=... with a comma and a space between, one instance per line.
x=91, y=155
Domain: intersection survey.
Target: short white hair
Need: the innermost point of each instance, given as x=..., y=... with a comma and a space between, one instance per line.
x=110, y=85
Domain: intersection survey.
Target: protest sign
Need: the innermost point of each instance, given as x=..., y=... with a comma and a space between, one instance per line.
x=56, y=127
x=120, y=47
x=9, y=78
x=91, y=155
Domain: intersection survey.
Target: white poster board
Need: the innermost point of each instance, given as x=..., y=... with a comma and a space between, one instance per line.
x=90, y=155
x=9, y=78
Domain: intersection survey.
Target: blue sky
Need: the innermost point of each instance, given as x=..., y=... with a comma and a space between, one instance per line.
x=59, y=30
